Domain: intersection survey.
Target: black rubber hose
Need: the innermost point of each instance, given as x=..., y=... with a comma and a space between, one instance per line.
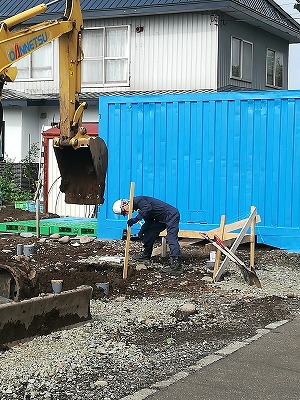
x=1, y=115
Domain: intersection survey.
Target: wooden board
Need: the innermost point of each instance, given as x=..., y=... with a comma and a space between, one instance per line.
x=218, y=253
x=224, y=232
x=125, y=267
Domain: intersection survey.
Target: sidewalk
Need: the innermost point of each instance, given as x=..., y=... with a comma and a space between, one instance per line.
x=265, y=367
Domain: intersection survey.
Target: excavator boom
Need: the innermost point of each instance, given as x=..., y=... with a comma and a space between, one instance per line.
x=82, y=160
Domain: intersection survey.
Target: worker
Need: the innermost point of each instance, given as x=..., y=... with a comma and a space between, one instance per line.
x=157, y=216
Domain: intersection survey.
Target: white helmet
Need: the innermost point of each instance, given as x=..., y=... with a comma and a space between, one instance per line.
x=117, y=206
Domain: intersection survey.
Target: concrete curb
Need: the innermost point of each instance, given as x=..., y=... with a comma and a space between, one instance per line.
x=203, y=362
x=44, y=314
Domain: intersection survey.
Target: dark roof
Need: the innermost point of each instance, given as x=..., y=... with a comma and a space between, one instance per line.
x=263, y=13
x=15, y=98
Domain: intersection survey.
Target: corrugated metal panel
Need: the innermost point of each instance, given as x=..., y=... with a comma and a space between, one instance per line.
x=174, y=52
x=177, y=51
x=261, y=43
x=208, y=154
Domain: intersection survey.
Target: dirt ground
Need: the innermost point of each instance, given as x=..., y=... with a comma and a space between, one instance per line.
x=55, y=260
x=66, y=261
x=226, y=311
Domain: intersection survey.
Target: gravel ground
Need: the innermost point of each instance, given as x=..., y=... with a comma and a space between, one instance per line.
x=131, y=343
x=144, y=331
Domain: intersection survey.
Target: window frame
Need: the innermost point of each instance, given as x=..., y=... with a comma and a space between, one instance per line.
x=273, y=85
x=29, y=57
x=241, y=59
x=103, y=59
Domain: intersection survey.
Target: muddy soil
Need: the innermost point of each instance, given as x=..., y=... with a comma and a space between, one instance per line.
x=71, y=263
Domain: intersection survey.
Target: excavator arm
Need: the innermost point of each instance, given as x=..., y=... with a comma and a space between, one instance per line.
x=82, y=160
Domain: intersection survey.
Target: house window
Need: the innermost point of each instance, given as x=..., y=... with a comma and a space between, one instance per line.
x=241, y=59
x=274, y=68
x=37, y=65
x=106, y=56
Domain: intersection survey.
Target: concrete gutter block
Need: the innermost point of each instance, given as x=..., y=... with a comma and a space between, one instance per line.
x=276, y=324
x=44, y=314
x=231, y=348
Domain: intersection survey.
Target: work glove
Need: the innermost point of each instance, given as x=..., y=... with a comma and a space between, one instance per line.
x=132, y=221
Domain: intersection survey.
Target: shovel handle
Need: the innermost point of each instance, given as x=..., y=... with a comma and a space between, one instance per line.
x=249, y=276
x=222, y=244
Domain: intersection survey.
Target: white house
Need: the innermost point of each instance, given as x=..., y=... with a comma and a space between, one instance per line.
x=162, y=46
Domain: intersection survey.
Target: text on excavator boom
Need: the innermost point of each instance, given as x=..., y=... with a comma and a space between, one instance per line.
x=82, y=160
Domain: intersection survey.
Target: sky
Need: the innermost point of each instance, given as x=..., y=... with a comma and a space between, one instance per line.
x=294, y=58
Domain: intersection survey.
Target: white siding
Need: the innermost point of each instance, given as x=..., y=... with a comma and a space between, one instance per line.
x=174, y=52
x=22, y=129
x=56, y=199
x=91, y=114
x=30, y=129
x=13, y=134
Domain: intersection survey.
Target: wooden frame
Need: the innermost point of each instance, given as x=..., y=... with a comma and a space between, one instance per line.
x=226, y=233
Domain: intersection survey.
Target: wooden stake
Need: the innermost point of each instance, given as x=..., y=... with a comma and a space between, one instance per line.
x=252, y=240
x=237, y=242
x=125, y=267
x=218, y=252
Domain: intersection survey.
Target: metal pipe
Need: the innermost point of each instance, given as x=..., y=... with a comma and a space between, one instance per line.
x=52, y=2
x=24, y=16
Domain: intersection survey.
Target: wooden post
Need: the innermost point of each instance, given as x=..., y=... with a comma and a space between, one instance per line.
x=218, y=252
x=163, y=247
x=125, y=268
x=237, y=241
x=252, y=240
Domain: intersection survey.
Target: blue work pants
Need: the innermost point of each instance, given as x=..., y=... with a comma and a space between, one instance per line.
x=152, y=228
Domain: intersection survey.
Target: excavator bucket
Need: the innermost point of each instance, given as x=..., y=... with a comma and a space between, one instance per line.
x=83, y=172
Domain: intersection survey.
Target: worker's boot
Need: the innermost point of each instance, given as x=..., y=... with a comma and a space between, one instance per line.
x=142, y=257
x=175, y=268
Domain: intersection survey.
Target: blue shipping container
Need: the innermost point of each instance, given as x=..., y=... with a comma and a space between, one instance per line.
x=208, y=154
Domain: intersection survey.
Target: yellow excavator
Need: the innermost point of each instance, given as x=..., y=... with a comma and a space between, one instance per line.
x=82, y=160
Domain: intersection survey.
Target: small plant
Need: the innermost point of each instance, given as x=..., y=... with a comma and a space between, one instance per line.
x=7, y=183
x=170, y=340
x=22, y=195
x=9, y=191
